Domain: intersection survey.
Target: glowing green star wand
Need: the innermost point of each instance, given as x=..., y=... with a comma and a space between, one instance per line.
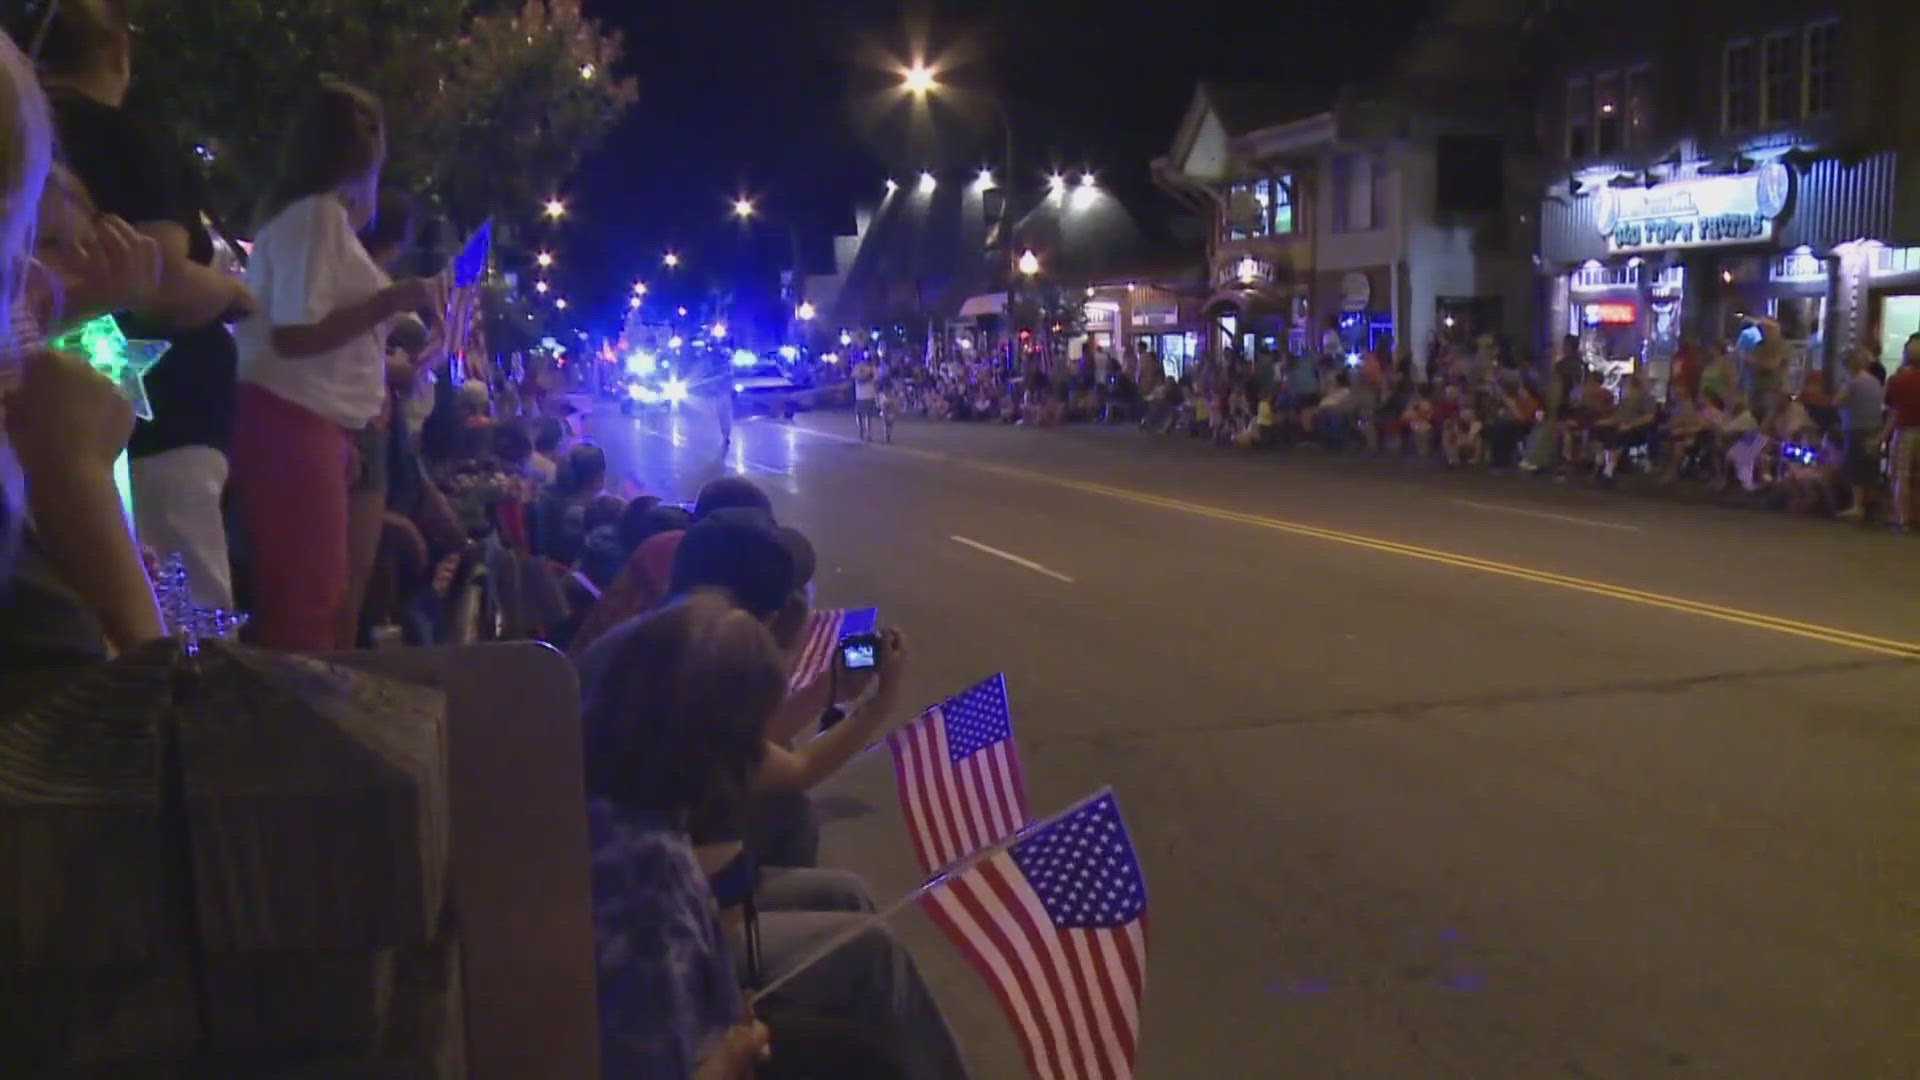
x=125, y=362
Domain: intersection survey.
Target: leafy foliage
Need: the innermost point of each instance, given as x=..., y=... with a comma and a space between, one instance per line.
x=489, y=103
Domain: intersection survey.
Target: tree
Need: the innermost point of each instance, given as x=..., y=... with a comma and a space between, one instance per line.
x=489, y=103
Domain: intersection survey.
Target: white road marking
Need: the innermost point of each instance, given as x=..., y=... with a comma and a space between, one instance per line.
x=1567, y=518
x=1012, y=558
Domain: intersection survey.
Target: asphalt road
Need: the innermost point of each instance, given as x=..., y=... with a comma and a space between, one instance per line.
x=1431, y=775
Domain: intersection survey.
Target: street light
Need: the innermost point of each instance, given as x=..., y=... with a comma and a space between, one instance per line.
x=743, y=208
x=634, y=303
x=586, y=71
x=1029, y=263
x=682, y=312
x=846, y=338
x=984, y=180
x=543, y=260
x=1056, y=184
x=718, y=331
x=560, y=303
x=892, y=185
x=555, y=209
x=918, y=79
x=541, y=287
x=671, y=260
x=639, y=288
x=928, y=183
x=805, y=311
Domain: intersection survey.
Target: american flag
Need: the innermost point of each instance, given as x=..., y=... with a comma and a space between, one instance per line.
x=824, y=631
x=1057, y=925
x=959, y=776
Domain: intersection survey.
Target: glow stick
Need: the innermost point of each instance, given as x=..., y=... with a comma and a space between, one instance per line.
x=125, y=362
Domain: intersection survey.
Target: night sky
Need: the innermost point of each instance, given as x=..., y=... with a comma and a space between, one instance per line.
x=791, y=102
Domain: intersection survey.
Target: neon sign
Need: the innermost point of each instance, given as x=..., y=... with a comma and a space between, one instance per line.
x=1614, y=313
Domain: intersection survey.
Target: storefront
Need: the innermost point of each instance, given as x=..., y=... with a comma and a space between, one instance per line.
x=1361, y=303
x=1252, y=309
x=1637, y=266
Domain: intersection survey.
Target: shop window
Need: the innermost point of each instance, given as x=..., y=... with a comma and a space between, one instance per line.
x=1822, y=80
x=1738, y=87
x=1282, y=205
x=1639, y=108
x=1579, y=118
x=1610, y=114
x=1246, y=212
x=1780, y=94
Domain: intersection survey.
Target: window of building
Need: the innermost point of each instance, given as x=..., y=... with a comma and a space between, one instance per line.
x=1610, y=114
x=1247, y=208
x=1639, y=109
x=1738, y=87
x=1821, y=72
x=1579, y=118
x=1282, y=205
x=1357, y=193
x=1780, y=89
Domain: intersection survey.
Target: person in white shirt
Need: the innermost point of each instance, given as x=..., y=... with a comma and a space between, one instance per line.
x=866, y=398
x=313, y=366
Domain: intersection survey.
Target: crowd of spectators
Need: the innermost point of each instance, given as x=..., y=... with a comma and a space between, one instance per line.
x=376, y=467
x=1730, y=416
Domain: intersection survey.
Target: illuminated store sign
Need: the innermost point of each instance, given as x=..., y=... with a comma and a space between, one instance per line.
x=1609, y=314
x=1705, y=211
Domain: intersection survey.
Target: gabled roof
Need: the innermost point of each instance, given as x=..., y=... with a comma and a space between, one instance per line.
x=1241, y=110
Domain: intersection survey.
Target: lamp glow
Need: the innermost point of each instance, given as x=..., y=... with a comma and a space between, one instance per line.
x=675, y=342
x=743, y=208
x=805, y=312
x=1029, y=263
x=560, y=302
x=541, y=287
x=984, y=180
x=675, y=391
x=928, y=183
x=892, y=185
x=543, y=260
x=639, y=288
x=718, y=331
x=671, y=259
x=918, y=80
x=555, y=209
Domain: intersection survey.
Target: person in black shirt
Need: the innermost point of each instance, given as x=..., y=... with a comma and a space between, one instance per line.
x=133, y=170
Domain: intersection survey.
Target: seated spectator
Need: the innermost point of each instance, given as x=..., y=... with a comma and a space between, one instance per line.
x=1810, y=477
x=1629, y=425
x=1417, y=421
x=559, y=516
x=1689, y=433
x=1461, y=429
x=544, y=464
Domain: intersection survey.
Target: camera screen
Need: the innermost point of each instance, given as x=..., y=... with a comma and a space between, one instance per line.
x=857, y=655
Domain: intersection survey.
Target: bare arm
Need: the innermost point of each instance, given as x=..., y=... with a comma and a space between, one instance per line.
x=190, y=294
x=348, y=321
x=67, y=424
x=784, y=770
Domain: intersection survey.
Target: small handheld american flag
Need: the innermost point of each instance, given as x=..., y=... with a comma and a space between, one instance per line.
x=959, y=776
x=824, y=630
x=1056, y=922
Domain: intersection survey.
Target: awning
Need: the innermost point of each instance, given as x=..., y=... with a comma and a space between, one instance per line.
x=993, y=303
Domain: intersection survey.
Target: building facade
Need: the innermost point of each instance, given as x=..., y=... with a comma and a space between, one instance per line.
x=1373, y=216
x=1714, y=163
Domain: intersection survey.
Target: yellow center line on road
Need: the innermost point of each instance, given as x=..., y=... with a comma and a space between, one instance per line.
x=1905, y=650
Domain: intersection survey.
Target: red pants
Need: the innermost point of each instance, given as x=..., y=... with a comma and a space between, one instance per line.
x=290, y=471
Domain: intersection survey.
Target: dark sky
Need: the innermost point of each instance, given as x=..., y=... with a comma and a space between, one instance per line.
x=788, y=101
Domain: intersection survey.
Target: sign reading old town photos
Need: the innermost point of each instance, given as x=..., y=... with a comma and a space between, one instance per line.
x=1703, y=211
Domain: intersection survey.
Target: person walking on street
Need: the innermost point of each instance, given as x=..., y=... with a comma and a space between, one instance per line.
x=866, y=398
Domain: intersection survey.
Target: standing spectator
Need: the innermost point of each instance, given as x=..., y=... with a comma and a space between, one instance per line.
x=1903, y=428
x=312, y=365
x=1860, y=403
x=132, y=170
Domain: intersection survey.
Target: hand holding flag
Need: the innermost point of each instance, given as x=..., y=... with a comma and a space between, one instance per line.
x=959, y=775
